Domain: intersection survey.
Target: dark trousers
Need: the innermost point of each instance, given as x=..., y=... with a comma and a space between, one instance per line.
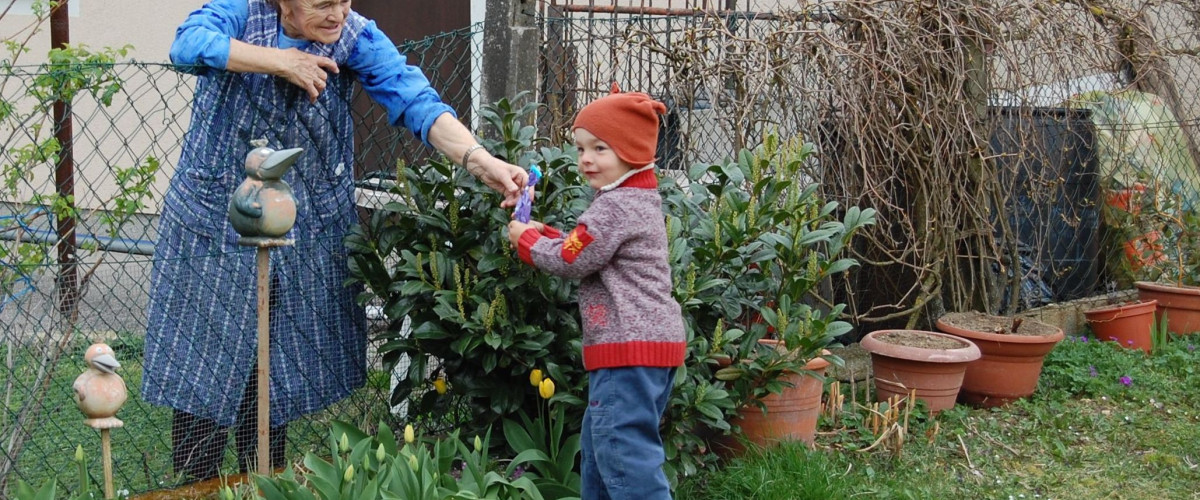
x=198, y=444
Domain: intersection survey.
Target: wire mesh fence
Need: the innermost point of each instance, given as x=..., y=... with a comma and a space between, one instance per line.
x=1048, y=144
x=990, y=135
x=127, y=145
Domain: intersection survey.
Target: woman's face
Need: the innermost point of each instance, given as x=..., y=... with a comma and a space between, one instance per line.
x=314, y=20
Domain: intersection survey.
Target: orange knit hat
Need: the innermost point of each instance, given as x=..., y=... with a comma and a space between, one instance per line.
x=627, y=122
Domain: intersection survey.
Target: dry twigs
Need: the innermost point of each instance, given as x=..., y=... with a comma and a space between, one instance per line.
x=901, y=99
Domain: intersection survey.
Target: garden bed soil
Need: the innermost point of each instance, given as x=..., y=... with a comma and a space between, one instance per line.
x=1001, y=325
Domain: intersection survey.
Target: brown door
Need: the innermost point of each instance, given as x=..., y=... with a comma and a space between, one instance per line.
x=446, y=61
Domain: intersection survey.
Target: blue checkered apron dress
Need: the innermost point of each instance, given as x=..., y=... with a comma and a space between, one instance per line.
x=202, y=316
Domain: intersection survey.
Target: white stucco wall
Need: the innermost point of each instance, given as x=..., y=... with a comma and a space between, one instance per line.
x=147, y=118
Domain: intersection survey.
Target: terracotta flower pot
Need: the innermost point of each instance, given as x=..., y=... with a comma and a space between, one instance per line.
x=932, y=363
x=1125, y=324
x=1010, y=365
x=1181, y=304
x=1144, y=249
x=791, y=415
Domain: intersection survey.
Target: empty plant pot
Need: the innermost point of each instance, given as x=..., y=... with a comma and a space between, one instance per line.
x=931, y=363
x=1126, y=324
x=1181, y=305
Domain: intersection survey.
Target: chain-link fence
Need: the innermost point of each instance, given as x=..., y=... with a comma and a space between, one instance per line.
x=128, y=141
x=990, y=150
x=997, y=139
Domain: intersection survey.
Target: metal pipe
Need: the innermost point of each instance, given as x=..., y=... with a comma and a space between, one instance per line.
x=64, y=173
x=47, y=237
x=826, y=17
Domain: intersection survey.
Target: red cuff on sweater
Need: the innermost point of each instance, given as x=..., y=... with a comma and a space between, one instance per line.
x=551, y=232
x=525, y=245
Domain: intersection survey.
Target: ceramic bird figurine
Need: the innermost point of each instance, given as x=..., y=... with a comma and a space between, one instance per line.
x=99, y=391
x=263, y=205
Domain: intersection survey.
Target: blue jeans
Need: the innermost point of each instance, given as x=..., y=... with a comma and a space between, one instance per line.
x=622, y=450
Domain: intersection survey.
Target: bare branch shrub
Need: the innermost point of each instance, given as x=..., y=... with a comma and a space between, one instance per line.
x=902, y=99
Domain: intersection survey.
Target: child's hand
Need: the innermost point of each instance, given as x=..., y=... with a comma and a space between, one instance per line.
x=516, y=229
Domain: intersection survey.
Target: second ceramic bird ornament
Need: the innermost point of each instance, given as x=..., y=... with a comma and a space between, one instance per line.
x=99, y=391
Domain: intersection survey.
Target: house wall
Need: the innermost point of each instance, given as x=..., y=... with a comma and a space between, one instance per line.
x=148, y=118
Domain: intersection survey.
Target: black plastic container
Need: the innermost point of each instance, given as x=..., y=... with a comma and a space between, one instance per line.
x=1047, y=162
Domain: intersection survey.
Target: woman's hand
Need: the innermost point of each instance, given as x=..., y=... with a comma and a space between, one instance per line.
x=306, y=71
x=502, y=176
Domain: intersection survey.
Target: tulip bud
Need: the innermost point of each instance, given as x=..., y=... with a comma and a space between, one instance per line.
x=349, y=475
x=546, y=389
x=535, y=377
x=344, y=443
x=478, y=443
x=412, y=462
x=79, y=453
x=226, y=493
x=380, y=453
x=409, y=434
x=440, y=385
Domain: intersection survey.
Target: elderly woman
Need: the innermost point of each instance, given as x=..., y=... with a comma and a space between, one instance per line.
x=280, y=71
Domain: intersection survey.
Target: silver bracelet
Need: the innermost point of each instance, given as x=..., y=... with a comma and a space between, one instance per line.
x=467, y=156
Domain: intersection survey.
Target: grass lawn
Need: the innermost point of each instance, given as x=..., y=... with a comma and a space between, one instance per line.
x=142, y=448
x=1105, y=423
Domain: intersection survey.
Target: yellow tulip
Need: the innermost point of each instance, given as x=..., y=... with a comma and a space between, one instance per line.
x=409, y=434
x=380, y=453
x=546, y=389
x=349, y=475
x=535, y=377
x=344, y=443
x=440, y=385
x=78, y=453
x=478, y=443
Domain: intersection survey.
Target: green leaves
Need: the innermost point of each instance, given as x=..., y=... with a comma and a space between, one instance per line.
x=442, y=259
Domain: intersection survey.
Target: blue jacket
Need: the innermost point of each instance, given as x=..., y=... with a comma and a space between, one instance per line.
x=202, y=316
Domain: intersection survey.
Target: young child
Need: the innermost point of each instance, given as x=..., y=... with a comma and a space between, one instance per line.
x=633, y=336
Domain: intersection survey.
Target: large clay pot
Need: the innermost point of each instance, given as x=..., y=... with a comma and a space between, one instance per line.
x=1126, y=324
x=935, y=372
x=1010, y=365
x=791, y=415
x=1181, y=305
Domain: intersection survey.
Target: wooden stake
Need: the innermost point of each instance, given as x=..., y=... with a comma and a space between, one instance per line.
x=106, y=457
x=263, y=259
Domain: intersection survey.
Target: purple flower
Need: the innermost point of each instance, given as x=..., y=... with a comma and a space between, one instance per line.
x=1083, y=338
x=517, y=473
x=1092, y=371
x=1114, y=339
x=1191, y=347
x=1126, y=381
x=1130, y=342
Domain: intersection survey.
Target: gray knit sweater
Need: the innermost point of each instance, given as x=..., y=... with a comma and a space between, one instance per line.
x=618, y=251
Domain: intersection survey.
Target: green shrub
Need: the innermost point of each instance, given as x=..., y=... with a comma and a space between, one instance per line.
x=749, y=244
x=442, y=259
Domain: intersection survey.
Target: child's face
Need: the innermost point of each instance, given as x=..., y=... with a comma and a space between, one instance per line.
x=598, y=162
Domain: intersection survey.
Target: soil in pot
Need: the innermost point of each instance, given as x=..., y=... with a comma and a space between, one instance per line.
x=930, y=363
x=1013, y=350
